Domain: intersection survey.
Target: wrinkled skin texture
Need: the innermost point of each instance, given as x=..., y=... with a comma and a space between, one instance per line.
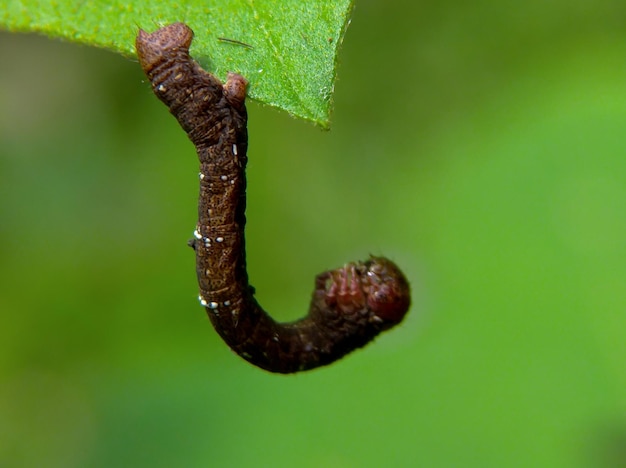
x=350, y=305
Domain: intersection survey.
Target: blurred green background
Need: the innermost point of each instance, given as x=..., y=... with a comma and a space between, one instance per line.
x=481, y=146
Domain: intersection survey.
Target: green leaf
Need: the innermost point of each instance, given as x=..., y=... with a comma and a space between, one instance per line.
x=287, y=49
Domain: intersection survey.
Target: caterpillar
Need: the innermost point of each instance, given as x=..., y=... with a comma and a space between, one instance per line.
x=350, y=305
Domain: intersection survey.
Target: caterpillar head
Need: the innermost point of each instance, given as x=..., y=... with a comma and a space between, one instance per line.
x=169, y=40
x=376, y=286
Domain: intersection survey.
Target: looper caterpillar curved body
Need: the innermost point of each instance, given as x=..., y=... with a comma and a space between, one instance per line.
x=350, y=305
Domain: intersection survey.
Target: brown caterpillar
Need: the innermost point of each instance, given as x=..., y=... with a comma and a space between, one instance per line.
x=350, y=305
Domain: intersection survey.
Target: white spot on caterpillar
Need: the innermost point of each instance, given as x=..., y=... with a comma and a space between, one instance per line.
x=207, y=242
x=219, y=239
x=197, y=235
x=201, y=175
x=210, y=212
x=235, y=150
x=203, y=301
x=161, y=88
x=227, y=303
x=235, y=314
x=224, y=178
x=213, y=305
x=275, y=338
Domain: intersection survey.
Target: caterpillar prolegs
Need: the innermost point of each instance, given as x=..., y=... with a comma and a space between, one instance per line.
x=350, y=305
